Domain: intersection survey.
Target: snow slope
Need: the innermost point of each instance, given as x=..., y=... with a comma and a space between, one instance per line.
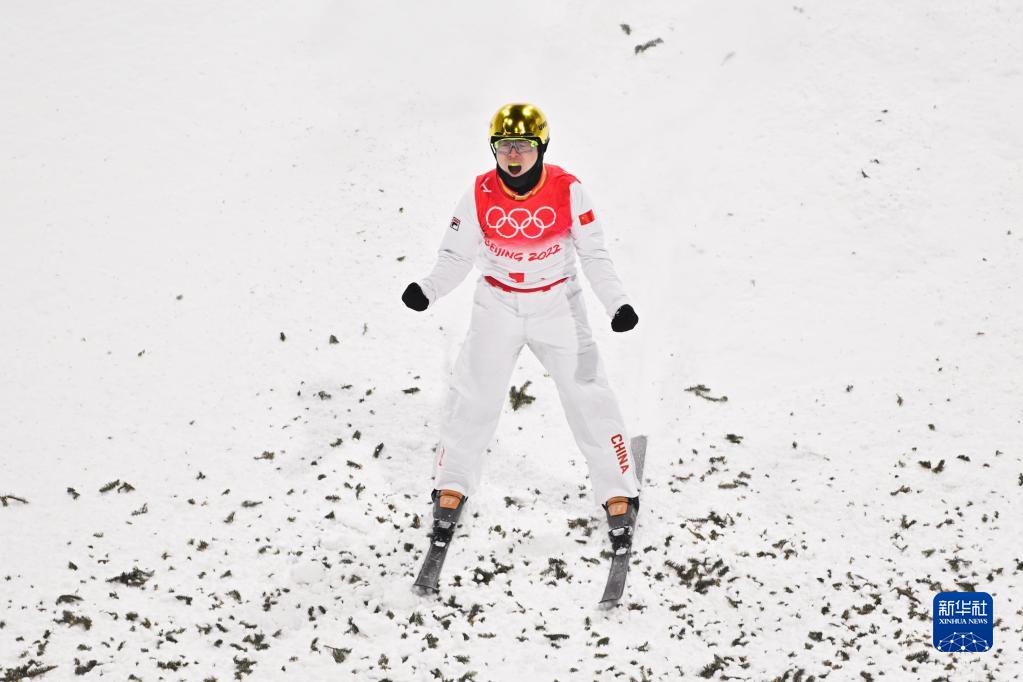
x=816, y=209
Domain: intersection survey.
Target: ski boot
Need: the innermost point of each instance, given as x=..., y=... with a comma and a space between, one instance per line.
x=447, y=507
x=621, y=522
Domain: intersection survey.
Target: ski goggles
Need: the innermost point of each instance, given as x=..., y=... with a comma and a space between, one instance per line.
x=519, y=144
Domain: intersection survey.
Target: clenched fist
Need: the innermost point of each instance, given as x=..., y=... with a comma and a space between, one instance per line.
x=625, y=319
x=415, y=298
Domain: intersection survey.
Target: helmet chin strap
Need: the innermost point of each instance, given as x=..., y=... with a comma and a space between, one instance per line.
x=522, y=184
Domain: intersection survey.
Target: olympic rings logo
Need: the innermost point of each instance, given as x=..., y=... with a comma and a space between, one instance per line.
x=507, y=224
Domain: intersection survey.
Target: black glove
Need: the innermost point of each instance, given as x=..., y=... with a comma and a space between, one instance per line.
x=415, y=298
x=625, y=319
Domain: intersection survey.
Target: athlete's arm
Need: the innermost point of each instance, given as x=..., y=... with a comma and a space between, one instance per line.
x=457, y=252
x=588, y=237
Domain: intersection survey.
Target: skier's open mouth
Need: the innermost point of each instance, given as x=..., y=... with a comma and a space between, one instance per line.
x=514, y=168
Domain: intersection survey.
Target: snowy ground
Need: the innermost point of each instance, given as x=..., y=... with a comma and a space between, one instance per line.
x=816, y=209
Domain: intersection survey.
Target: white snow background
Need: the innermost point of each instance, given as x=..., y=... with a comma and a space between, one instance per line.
x=816, y=208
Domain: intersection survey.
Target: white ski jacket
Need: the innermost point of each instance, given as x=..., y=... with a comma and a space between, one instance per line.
x=526, y=243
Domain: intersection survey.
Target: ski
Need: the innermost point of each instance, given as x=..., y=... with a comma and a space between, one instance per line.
x=621, y=534
x=445, y=521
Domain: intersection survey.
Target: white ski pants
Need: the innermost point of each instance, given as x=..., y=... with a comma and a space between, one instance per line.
x=553, y=324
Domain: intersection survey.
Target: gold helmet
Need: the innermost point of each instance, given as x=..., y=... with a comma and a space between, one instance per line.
x=519, y=120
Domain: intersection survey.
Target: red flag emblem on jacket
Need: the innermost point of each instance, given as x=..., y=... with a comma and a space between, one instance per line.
x=587, y=218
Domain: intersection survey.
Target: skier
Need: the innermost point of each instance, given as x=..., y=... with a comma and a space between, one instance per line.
x=523, y=223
